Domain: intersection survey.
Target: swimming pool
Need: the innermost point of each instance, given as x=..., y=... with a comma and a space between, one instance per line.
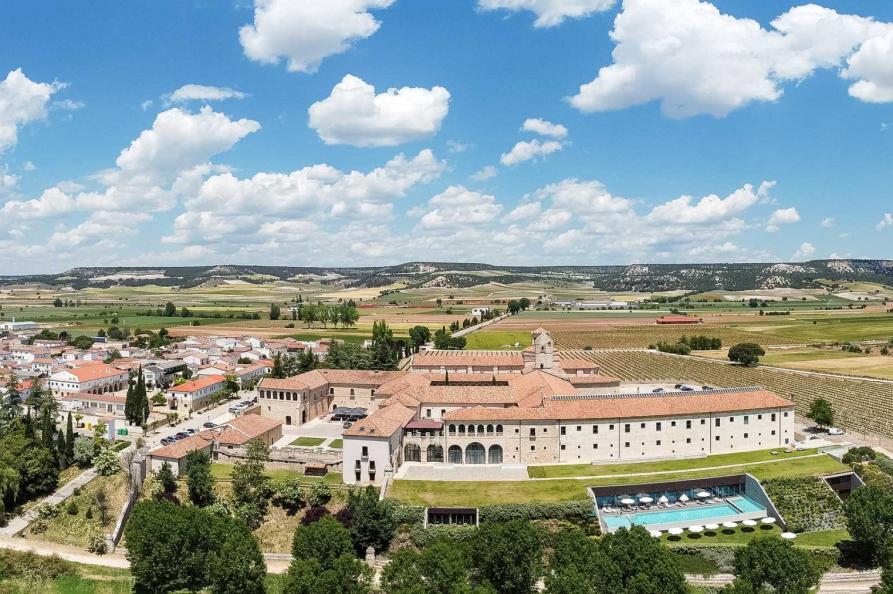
x=733, y=510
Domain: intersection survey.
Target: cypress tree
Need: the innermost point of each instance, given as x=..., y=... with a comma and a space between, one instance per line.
x=29, y=425
x=142, y=399
x=128, y=402
x=69, y=440
x=46, y=431
x=61, y=458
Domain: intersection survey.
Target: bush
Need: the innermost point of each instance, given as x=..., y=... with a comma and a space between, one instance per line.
x=421, y=537
x=320, y=494
x=289, y=495
x=31, y=567
x=72, y=508
x=807, y=504
x=409, y=514
x=96, y=543
x=505, y=512
x=107, y=461
x=860, y=454
x=723, y=555
x=314, y=514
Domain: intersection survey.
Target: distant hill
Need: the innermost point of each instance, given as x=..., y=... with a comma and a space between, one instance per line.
x=636, y=277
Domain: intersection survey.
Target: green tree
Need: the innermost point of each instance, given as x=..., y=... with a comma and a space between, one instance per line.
x=508, y=556
x=746, y=353
x=84, y=450
x=442, y=567
x=821, y=412
x=170, y=310
x=275, y=311
x=579, y=564
x=106, y=461
x=869, y=519
x=644, y=565
x=324, y=540
x=13, y=399
x=199, y=480
x=348, y=576
x=251, y=485
x=69, y=440
x=129, y=406
x=277, y=371
x=777, y=564
x=237, y=566
x=290, y=495
x=167, y=480
x=372, y=521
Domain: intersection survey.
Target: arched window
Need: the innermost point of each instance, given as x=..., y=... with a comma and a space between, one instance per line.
x=480, y=429
x=434, y=453
x=471, y=430
x=498, y=429
x=452, y=429
x=489, y=429
x=494, y=455
x=461, y=429
x=455, y=454
x=412, y=453
x=475, y=453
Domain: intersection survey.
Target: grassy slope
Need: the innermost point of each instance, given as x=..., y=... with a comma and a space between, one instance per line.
x=459, y=493
x=570, y=470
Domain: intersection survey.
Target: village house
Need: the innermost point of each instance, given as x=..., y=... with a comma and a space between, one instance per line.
x=90, y=377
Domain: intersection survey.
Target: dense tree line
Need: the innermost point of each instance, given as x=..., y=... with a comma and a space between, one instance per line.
x=136, y=403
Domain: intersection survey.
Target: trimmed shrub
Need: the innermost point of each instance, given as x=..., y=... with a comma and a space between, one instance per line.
x=72, y=508
x=565, y=510
x=421, y=537
x=409, y=514
x=723, y=555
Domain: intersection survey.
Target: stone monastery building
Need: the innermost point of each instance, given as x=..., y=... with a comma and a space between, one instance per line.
x=532, y=407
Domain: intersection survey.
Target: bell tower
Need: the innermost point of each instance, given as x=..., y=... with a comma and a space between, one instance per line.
x=544, y=349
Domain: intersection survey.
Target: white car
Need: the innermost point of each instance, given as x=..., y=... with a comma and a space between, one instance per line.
x=835, y=431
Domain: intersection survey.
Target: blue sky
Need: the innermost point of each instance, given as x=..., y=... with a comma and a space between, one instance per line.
x=656, y=131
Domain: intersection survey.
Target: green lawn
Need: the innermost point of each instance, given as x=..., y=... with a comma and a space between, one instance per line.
x=490, y=340
x=461, y=493
x=308, y=442
x=742, y=535
x=337, y=444
x=858, y=326
x=224, y=472
x=571, y=470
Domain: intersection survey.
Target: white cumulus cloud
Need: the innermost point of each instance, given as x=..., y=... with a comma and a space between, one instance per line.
x=305, y=32
x=707, y=209
x=484, y=173
x=353, y=114
x=544, y=128
x=549, y=13
x=804, y=252
x=872, y=66
x=828, y=222
x=457, y=206
x=886, y=221
x=526, y=150
x=696, y=60
x=22, y=101
x=192, y=92
x=782, y=216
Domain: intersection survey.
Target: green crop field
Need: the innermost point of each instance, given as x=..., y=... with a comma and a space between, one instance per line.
x=641, y=336
x=497, y=340
x=839, y=328
x=860, y=404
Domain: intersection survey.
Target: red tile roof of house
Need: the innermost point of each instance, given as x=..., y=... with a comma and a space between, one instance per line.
x=196, y=385
x=180, y=449
x=109, y=398
x=94, y=371
x=468, y=359
x=243, y=429
x=382, y=423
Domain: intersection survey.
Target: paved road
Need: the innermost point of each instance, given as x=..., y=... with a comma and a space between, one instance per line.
x=219, y=414
x=19, y=523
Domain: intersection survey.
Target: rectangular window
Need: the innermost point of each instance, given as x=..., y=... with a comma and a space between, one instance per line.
x=533, y=432
x=745, y=436
x=564, y=430
x=746, y=420
x=610, y=427
x=595, y=429
x=773, y=432
x=365, y=451
x=626, y=428
x=773, y=417
x=717, y=422
x=657, y=442
x=688, y=440
x=357, y=476
x=785, y=414
x=563, y=447
x=579, y=428
x=717, y=438
x=688, y=424
x=642, y=426
x=532, y=448
x=595, y=446
x=657, y=426
x=731, y=419
x=759, y=417
x=626, y=445
x=703, y=421
x=673, y=424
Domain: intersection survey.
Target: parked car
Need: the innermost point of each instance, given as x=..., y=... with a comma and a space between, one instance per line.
x=167, y=440
x=209, y=425
x=835, y=431
x=181, y=435
x=190, y=431
x=347, y=424
x=236, y=408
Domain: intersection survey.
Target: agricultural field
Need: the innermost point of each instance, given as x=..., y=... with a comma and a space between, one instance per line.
x=641, y=336
x=497, y=341
x=860, y=404
x=826, y=360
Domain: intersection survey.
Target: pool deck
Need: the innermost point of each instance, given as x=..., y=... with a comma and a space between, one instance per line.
x=692, y=506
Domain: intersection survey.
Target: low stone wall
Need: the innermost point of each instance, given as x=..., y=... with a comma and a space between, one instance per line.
x=290, y=458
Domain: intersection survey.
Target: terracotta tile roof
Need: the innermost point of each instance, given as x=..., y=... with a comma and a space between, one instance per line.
x=304, y=381
x=196, y=385
x=468, y=359
x=243, y=429
x=94, y=371
x=109, y=398
x=583, y=381
x=360, y=377
x=382, y=423
x=623, y=406
x=179, y=449
x=577, y=364
x=406, y=380
x=469, y=378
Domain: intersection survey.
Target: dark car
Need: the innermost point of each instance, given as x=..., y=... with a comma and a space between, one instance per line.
x=347, y=424
x=209, y=425
x=190, y=431
x=181, y=435
x=167, y=440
